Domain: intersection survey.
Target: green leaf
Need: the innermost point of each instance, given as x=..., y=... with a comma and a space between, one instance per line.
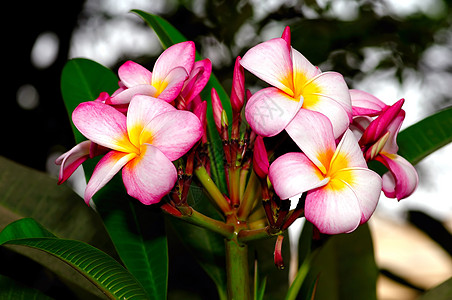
x=83, y=80
x=428, y=135
x=13, y=290
x=99, y=268
x=137, y=233
x=345, y=268
x=57, y=207
x=168, y=36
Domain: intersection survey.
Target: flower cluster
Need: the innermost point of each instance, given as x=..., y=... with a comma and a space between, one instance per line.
x=156, y=118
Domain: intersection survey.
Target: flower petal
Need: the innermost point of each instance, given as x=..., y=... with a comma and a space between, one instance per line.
x=132, y=74
x=365, y=104
x=269, y=111
x=169, y=88
x=334, y=208
x=393, y=129
x=303, y=71
x=271, y=61
x=150, y=176
x=328, y=94
x=329, y=85
x=348, y=154
x=124, y=97
x=142, y=110
x=178, y=55
x=173, y=133
x=293, y=173
x=104, y=171
x=379, y=126
x=103, y=125
x=402, y=179
x=366, y=184
x=72, y=159
x=313, y=133
x=197, y=80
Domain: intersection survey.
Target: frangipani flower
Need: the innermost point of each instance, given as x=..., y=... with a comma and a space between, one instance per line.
x=378, y=142
x=143, y=144
x=165, y=81
x=342, y=192
x=296, y=85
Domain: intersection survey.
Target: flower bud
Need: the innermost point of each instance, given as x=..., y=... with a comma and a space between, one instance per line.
x=217, y=109
x=238, y=87
x=260, y=158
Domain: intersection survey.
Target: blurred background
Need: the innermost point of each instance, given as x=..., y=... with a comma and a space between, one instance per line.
x=392, y=49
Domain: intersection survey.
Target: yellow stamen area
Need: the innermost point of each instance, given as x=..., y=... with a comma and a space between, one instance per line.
x=339, y=173
x=160, y=87
x=310, y=92
x=138, y=136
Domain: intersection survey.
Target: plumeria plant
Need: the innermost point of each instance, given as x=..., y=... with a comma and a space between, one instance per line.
x=168, y=151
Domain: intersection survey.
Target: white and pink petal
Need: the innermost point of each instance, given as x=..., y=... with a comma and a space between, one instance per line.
x=150, y=176
x=313, y=133
x=142, y=110
x=334, y=208
x=173, y=133
x=269, y=110
x=366, y=184
x=132, y=74
x=72, y=159
x=106, y=168
x=102, y=124
x=271, y=61
x=293, y=173
x=178, y=55
x=401, y=180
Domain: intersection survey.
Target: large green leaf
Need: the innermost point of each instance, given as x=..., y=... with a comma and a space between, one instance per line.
x=137, y=233
x=58, y=208
x=428, y=135
x=168, y=36
x=345, y=268
x=99, y=268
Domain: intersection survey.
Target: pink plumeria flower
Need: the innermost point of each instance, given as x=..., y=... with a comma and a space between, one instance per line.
x=296, y=85
x=165, y=81
x=342, y=192
x=143, y=144
x=378, y=142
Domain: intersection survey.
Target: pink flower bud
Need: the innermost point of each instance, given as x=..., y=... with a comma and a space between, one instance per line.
x=217, y=109
x=238, y=87
x=260, y=158
x=200, y=112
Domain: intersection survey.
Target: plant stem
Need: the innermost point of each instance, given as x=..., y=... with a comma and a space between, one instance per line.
x=194, y=217
x=212, y=189
x=237, y=270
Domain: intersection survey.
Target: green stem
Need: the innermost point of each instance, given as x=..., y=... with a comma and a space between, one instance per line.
x=245, y=236
x=212, y=189
x=234, y=186
x=237, y=270
x=194, y=217
x=249, y=198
